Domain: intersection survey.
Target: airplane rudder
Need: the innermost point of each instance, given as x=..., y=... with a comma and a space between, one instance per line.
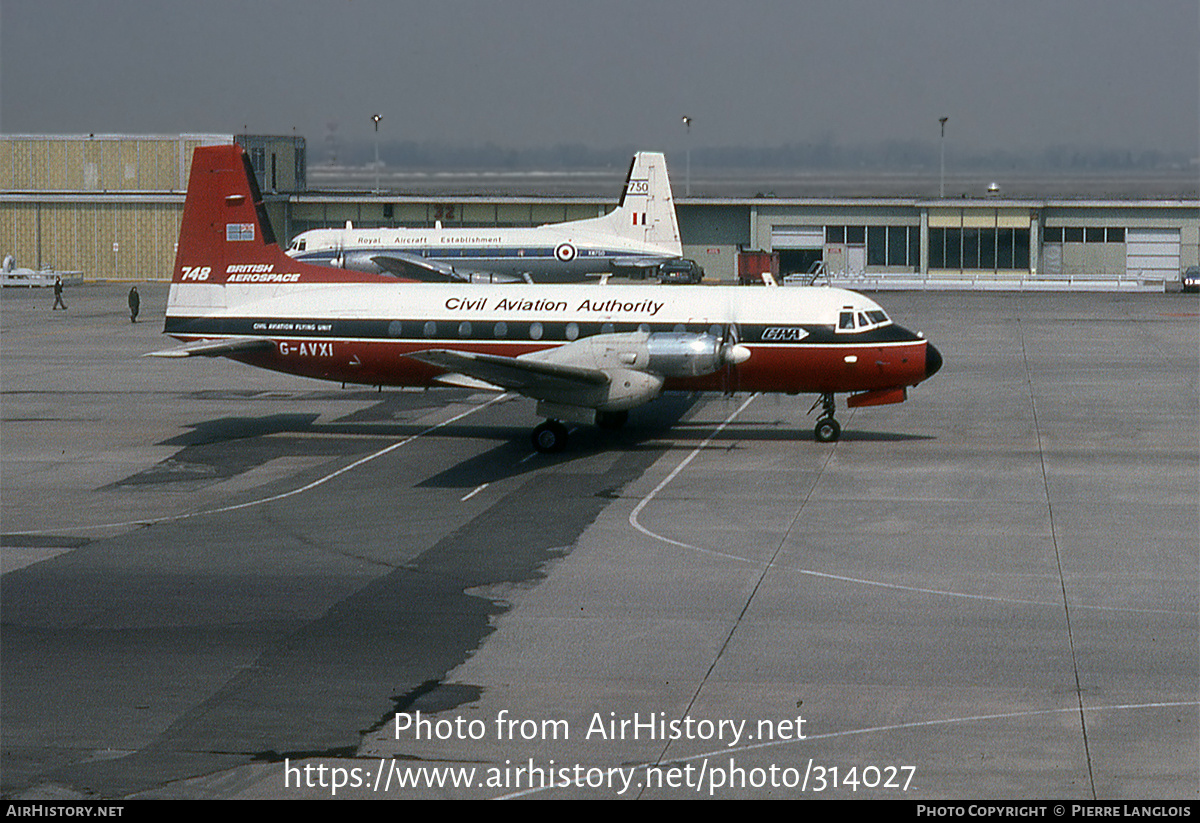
x=663, y=225
x=224, y=222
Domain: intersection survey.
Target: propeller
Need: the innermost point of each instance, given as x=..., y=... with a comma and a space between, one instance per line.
x=732, y=355
x=339, y=256
x=732, y=352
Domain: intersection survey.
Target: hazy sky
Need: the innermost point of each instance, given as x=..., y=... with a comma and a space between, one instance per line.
x=1012, y=74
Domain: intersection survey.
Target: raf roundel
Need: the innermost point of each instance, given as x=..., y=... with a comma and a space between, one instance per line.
x=565, y=252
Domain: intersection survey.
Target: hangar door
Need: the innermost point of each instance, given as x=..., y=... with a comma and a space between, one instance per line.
x=799, y=247
x=1152, y=253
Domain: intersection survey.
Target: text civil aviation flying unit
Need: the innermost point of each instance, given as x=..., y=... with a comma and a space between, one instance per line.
x=585, y=353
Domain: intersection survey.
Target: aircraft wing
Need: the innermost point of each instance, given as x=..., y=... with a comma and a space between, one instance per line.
x=430, y=271
x=640, y=262
x=533, y=378
x=214, y=348
x=416, y=267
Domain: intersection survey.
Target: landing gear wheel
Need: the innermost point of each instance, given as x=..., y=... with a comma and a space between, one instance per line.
x=827, y=431
x=550, y=437
x=611, y=420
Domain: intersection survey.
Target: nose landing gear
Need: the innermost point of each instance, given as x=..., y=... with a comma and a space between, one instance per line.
x=827, y=429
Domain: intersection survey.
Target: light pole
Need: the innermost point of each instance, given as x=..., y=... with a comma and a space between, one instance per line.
x=942, y=183
x=687, y=152
x=376, y=118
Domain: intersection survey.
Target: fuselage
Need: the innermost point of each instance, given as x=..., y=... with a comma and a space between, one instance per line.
x=556, y=253
x=800, y=339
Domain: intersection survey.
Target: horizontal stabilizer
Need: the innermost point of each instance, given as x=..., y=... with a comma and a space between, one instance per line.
x=462, y=381
x=214, y=348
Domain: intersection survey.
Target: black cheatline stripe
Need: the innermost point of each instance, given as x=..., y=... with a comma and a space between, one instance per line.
x=429, y=330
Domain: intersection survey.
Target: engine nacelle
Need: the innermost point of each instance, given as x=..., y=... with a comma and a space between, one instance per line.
x=683, y=354
x=668, y=354
x=637, y=364
x=629, y=389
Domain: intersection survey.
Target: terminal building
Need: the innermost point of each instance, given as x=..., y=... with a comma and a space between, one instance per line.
x=109, y=206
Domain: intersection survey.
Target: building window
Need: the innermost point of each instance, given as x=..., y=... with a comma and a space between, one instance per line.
x=1004, y=249
x=877, y=245
x=1021, y=249
x=979, y=249
x=1079, y=234
x=895, y=246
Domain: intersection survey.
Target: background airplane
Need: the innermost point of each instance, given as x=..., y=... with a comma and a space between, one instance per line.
x=641, y=233
x=13, y=275
x=585, y=354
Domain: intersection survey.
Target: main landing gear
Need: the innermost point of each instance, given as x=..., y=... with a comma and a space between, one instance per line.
x=551, y=436
x=827, y=429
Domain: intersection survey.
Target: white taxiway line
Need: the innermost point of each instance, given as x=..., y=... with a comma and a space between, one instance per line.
x=284, y=495
x=980, y=718
x=637, y=510
x=471, y=494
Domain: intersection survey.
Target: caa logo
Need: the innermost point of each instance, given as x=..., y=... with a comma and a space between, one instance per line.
x=565, y=252
x=196, y=272
x=783, y=333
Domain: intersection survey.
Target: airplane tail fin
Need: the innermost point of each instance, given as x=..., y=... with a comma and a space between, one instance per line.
x=646, y=212
x=226, y=235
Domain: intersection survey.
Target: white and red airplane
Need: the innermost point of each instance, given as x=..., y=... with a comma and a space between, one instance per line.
x=633, y=239
x=586, y=353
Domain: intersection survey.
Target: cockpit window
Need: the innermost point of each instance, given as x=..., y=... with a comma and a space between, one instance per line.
x=851, y=319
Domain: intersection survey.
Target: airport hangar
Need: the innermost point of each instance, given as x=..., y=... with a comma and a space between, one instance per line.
x=109, y=206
